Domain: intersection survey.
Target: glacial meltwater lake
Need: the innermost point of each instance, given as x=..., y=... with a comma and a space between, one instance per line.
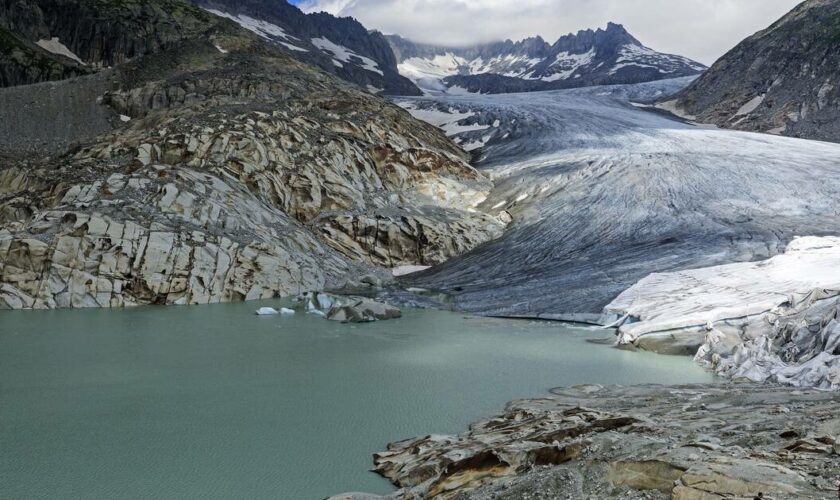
x=211, y=402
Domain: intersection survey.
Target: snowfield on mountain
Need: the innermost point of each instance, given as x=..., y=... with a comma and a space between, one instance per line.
x=603, y=56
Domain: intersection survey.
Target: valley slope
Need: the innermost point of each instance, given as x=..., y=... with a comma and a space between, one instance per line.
x=782, y=80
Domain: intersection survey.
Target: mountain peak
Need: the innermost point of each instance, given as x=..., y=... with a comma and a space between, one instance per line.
x=615, y=27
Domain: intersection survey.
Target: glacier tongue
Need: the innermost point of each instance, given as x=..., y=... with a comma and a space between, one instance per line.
x=772, y=320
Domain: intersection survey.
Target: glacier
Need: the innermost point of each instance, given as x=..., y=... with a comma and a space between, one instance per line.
x=605, y=190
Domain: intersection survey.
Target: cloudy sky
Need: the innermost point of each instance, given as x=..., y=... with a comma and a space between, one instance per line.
x=701, y=29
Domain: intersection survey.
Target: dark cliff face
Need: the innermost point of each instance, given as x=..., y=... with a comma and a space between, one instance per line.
x=301, y=29
x=95, y=34
x=589, y=57
x=784, y=79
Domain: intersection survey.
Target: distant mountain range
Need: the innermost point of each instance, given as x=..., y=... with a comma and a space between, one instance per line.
x=783, y=80
x=387, y=65
x=337, y=45
x=599, y=57
x=395, y=66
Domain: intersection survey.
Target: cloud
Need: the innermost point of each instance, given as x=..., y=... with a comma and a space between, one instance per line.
x=701, y=29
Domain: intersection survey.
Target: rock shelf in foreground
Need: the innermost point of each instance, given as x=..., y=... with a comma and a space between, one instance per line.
x=680, y=442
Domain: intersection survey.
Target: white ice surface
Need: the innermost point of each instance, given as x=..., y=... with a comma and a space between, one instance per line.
x=698, y=297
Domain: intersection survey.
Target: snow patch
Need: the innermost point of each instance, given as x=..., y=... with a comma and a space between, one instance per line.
x=673, y=108
x=345, y=55
x=405, y=270
x=448, y=121
x=568, y=64
x=56, y=47
x=264, y=29
x=751, y=105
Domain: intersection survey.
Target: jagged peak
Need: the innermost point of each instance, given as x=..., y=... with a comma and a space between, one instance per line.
x=616, y=27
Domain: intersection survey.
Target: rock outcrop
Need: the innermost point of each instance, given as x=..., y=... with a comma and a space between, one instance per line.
x=683, y=442
x=782, y=80
x=223, y=178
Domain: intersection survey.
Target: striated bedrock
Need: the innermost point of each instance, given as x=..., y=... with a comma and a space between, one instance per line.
x=772, y=320
x=227, y=176
x=656, y=442
x=781, y=80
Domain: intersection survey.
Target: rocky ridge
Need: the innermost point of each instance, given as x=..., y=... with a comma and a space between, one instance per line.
x=337, y=45
x=782, y=80
x=656, y=442
x=232, y=172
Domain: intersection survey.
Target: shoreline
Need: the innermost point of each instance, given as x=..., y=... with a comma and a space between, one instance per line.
x=649, y=441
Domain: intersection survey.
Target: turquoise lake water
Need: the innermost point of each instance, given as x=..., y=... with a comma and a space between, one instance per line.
x=211, y=402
